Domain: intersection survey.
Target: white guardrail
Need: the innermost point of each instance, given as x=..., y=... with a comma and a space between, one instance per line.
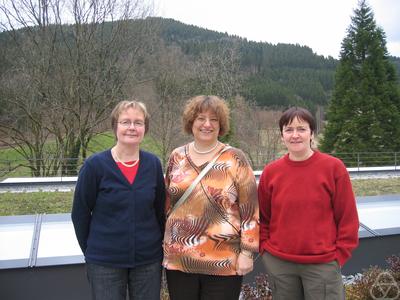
x=67, y=183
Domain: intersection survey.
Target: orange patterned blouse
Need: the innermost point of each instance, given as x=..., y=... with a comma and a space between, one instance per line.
x=218, y=219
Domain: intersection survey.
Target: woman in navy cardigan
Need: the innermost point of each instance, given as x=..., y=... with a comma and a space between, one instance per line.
x=118, y=212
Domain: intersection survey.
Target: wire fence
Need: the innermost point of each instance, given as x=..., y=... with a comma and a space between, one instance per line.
x=49, y=167
x=353, y=160
x=70, y=166
x=369, y=159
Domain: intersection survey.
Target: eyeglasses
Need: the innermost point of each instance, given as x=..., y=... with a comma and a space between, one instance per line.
x=128, y=123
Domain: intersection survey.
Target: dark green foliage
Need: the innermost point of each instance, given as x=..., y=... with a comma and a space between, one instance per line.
x=364, y=113
x=286, y=86
x=396, y=62
x=274, y=75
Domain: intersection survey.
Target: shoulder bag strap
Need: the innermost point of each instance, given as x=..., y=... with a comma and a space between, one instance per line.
x=197, y=180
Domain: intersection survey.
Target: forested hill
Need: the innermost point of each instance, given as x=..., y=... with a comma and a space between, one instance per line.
x=274, y=75
x=271, y=75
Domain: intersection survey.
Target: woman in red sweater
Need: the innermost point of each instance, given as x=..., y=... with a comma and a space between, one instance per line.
x=308, y=216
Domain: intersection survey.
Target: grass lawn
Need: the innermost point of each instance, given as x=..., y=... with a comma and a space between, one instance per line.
x=33, y=203
x=373, y=187
x=13, y=164
x=61, y=202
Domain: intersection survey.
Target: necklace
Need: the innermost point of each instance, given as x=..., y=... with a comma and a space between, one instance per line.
x=125, y=164
x=204, y=152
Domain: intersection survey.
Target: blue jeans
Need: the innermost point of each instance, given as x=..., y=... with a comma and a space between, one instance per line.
x=108, y=283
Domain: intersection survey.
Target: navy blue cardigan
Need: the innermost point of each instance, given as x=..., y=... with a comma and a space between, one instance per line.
x=117, y=223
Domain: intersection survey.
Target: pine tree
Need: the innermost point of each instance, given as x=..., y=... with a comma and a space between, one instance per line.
x=364, y=112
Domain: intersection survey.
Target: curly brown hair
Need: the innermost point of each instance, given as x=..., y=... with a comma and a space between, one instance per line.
x=198, y=104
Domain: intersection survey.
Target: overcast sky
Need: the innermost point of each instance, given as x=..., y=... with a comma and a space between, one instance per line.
x=319, y=24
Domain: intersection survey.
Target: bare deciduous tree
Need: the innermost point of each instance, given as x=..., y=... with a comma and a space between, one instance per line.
x=218, y=71
x=170, y=87
x=256, y=132
x=67, y=77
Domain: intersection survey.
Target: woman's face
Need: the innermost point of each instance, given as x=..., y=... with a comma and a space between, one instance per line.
x=130, y=127
x=297, y=136
x=206, y=127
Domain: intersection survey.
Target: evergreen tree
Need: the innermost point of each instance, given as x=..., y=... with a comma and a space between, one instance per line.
x=364, y=112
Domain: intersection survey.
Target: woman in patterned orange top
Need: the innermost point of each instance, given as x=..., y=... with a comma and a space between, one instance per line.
x=210, y=238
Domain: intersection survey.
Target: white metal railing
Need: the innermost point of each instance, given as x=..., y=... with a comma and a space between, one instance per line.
x=69, y=167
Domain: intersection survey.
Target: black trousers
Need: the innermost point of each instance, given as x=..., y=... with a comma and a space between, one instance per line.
x=189, y=286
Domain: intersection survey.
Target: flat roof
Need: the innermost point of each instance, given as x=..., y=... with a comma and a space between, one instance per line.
x=44, y=240
x=38, y=240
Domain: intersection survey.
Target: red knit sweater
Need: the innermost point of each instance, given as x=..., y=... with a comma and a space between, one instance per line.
x=308, y=212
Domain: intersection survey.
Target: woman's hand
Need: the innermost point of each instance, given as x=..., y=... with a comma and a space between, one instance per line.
x=244, y=264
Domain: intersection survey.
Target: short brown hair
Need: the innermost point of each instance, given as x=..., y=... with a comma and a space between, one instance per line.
x=199, y=104
x=296, y=112
x=123, y=106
